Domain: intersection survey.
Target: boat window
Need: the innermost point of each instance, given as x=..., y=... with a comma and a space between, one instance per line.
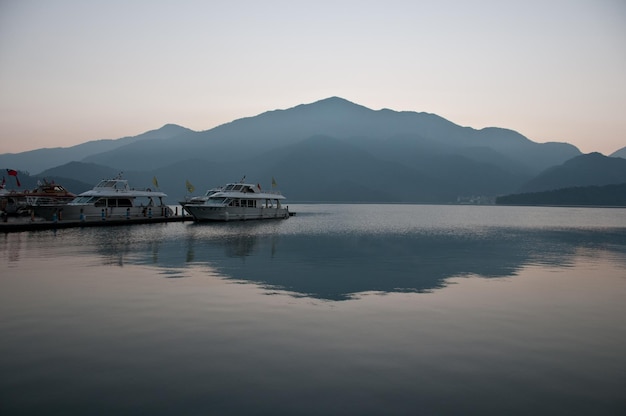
x=251, y=203
x=83, y=200
x=124, y=202
x=142, y=201
x=229, y=188
x=102, y=202
x=218, y=200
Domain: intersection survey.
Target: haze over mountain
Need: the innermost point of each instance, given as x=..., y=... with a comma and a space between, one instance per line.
x=329, y=150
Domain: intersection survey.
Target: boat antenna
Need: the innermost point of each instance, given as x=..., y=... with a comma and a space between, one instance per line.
x=242, y=179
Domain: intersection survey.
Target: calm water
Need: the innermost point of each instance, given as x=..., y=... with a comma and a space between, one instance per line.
x=342, y=309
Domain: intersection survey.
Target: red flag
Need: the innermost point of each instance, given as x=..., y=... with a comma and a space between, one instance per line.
x=13, y=172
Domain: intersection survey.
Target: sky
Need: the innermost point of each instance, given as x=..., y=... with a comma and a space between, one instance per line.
x=72, y=71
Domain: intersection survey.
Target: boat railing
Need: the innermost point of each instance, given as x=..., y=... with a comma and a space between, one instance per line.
x=273, y=192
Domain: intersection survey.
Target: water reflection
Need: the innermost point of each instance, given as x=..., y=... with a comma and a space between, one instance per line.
x=346, y=250
x=337, y=266
x=88, y=328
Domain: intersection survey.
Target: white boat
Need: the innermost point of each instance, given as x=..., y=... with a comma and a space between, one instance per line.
x=236, y=202
x=109, y=199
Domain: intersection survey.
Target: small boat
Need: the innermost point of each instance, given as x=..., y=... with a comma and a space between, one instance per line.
x=236, y=202
x=48, y=193
x=22, y=202
x=109, y=199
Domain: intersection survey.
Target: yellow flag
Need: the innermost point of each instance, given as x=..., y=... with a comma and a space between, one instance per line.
x=190, y=187
x=155, y=182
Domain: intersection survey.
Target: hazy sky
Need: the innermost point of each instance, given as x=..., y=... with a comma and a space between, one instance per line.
x=74, y=71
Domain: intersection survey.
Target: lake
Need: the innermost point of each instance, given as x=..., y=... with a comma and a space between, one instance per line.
x=341, y=309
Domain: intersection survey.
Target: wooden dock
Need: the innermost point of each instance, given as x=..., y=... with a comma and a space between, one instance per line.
x=27, y=224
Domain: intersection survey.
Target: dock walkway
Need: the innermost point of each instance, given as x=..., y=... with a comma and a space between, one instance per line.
x=27, y=224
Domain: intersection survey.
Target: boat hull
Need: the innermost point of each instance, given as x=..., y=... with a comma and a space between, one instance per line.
x=90, y=212
x=209, y=213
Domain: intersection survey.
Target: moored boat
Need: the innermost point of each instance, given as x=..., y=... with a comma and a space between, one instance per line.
x=237, y=202
x=110, y=198
x=23, y=202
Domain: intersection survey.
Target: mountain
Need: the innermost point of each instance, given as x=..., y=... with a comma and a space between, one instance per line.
x=41, y=159
x=334, y=117
x=329, y=150
x=88, y=172
x=28, y=182
x=619, y=153
x=608, y=195
x=323, y=168
x=585, y=170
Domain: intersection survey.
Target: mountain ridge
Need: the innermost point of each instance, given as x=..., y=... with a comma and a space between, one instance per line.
x=335, y=117
x=39, y=160
x=592, y=169
x=386, y=155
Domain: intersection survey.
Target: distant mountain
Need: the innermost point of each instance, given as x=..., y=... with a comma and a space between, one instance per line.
x=28, y=182
x=88, y=172
x=608, y=195
x=619, y=153
x=329, y=150
x=350, y=173
x=335, y=117
x=324, y=168
x=35, y=161
x=585, y=170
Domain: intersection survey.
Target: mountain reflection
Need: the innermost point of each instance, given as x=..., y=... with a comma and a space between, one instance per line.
x=338, y=266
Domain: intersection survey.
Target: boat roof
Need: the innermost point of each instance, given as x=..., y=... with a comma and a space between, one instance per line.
x=45, y=189
x=246, y=190
x=118, y=188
